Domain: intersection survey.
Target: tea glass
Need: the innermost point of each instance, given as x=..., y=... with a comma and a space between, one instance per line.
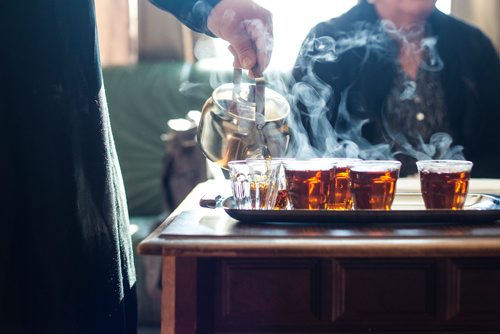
x=254, y=183
x=444, y=183
x=308, y=182
x=282, y=198
x=340, y=190
x=373, y=184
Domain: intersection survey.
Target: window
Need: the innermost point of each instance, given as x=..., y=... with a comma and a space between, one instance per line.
x=291, y=24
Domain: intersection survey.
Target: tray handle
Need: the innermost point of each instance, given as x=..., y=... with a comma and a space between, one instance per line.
x=210, y=202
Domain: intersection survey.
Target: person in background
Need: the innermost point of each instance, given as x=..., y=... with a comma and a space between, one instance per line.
x=399, y=78
x=65, y=249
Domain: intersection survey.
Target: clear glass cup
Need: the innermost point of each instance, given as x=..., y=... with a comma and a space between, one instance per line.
x=373, y=184
x=444, y=183
x=254, y=183
x=340, y=189
x=308, y=182
x=282, y=198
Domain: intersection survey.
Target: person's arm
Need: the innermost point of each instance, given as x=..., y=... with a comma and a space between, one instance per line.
x=243, y=23
x=192, y=13
x=486, y=156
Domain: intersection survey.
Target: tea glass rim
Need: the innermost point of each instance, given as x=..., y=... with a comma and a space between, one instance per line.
x=449, y=165
x=342, y=162
x=236, y=162
x=313, y=164
x=251, y=163
x=384, y=165
x=262, y=160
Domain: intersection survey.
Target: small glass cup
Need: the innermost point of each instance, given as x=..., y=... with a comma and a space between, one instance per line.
x=308, y=182
x=373, y=184
x=444, y=183
x=282, y=198
x=340, y=189
x=254, y=183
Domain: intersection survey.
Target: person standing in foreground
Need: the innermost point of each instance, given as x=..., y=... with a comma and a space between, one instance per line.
x=402, y=78
x=65, y=250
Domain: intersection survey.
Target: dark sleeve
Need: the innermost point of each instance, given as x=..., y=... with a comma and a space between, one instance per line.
x=192, y=13
x=486, y=156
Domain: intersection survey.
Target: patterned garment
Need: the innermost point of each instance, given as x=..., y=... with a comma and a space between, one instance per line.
x=415, y=110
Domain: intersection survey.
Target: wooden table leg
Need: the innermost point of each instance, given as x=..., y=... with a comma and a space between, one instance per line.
x=178, y=305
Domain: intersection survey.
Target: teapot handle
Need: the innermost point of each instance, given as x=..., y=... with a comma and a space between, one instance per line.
x=237, y=74
x=260, y=102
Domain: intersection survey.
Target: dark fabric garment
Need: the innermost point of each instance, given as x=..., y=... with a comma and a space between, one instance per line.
x=360, y=76
x=193, y=13
x=65, y=251
x=66, y=256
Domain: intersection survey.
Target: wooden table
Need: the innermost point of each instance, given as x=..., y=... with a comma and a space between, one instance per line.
x=223, y=276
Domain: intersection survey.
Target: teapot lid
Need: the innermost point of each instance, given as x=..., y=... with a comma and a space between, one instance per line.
x=239, y=101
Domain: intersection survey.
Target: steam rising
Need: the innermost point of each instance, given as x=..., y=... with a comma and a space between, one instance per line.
x=346, y=138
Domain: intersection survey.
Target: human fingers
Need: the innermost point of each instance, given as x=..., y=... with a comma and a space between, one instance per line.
x=248, y=28
x=236, y=63
x=262, y=41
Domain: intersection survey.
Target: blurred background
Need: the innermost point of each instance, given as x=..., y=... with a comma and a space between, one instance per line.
x=134, y=30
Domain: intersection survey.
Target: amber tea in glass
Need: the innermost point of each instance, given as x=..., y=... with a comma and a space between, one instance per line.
x=373, y=184
x=282, y=199
x=308, y=183
x=340, y=190
x=444, y=183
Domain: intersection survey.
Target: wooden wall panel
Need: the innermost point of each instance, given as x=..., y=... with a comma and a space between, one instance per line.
x=264, y=293
x=302, y=295
x=474, y=291
x=117, y=29
x=482, y=13
x=373, y=292
x=160, y=34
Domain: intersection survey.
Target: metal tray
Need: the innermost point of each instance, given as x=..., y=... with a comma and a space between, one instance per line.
x=407, y=208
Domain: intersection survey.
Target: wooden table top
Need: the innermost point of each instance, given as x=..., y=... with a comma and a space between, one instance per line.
x=200, y=232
